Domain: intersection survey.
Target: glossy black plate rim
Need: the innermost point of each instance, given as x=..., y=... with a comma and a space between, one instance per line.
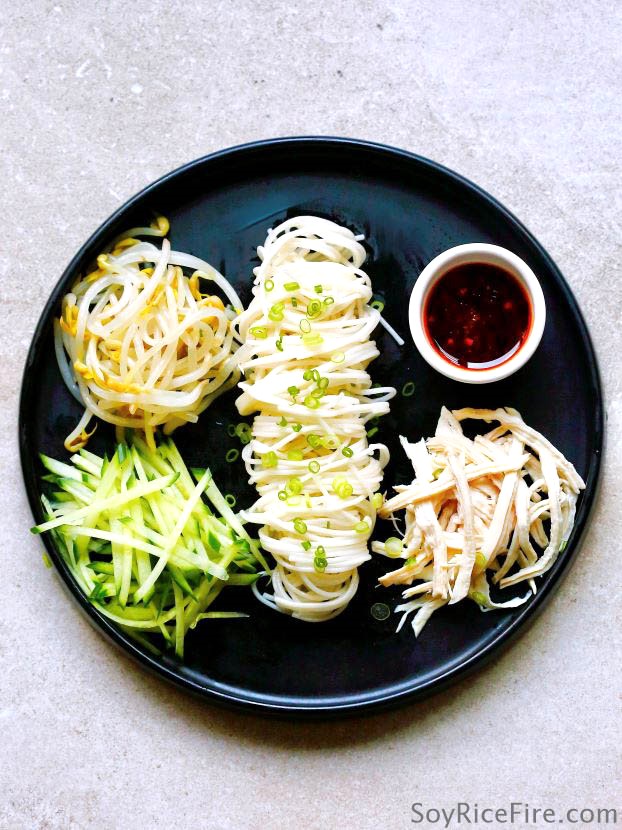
x=408, y=690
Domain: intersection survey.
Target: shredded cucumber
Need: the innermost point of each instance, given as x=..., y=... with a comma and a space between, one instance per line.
x=142, y=542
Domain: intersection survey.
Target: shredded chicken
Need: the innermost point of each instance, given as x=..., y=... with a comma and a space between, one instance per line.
x=500, y=505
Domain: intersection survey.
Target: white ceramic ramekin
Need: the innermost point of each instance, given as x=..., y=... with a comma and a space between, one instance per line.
x=460, y=255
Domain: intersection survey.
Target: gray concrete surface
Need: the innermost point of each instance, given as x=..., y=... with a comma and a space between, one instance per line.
x=99, y=99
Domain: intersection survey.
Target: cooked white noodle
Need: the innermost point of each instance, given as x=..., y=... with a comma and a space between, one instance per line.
x=308, y=327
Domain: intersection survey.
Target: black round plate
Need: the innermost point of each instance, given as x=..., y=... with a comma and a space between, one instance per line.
x=410, y=210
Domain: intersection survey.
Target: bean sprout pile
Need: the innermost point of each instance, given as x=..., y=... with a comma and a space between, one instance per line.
x=475, y=506
x=307, y=346
x=145, y=346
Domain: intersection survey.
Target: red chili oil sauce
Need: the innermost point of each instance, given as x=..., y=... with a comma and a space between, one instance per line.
x=477, y=315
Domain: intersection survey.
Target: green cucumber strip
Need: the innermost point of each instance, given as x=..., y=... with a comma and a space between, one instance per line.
x=218, y=500
x=218, y=615
x=179, y=620
x=101, y=567
x=242, y=579
x=61, y=496
x=172, y=539
x=86, y=465
x=180, y=580
x=164, y=555
x=117, y=557
x=76, y=488
x=109, y=503
x=59, y=468
x=91, y=458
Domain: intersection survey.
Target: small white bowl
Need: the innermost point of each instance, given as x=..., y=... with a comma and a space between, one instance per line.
x=492, y=255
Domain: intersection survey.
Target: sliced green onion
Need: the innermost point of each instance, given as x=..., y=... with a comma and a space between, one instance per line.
x=314, y=466
x=230, y=499
x=296, y=427
x=279, y=343
x=295, y=455
x=408, y=389
x=269, y=459
x=300, y=526
x=371, y=432
x=314, y=440
x=305, y=326
x=330, y=442
x=276, y=312
x=306, y=545
x=293, y=391
x=291, y=286
x=231, y=430
x=329, y=301
x=232, y=455
x=293, y=501
x=393, y=546
x=268, y=285
x=377, y=500
x=282, y=422
x=314, y=309
x=293, y=486
x=260, y=332
x=361, y=527
x=377, y=304
x=318, y=393
x=323, y=383
x=338, y=357
x=244, y=433
x=294, y=302
x=312, y=339
x=307, y=374
x=311, y=402
x=348, y=452
x=380, y=611
x=320, y=563
x=282, y=495
x=342, y=488
x=318, y=289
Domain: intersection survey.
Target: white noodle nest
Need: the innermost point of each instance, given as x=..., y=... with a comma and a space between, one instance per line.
x=306, y=260
x=137, y=342
x=475, y=506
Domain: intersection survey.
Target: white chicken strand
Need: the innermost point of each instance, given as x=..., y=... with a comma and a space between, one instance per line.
x=479, y=506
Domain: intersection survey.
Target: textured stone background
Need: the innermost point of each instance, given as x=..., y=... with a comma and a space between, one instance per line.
x=523, y=98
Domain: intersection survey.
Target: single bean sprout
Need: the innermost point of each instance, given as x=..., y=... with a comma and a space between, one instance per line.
x=138, y=342
x=316, y=483
x=474, y=507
